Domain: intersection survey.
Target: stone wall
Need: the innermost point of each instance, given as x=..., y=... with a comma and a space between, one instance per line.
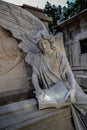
x=14, y=72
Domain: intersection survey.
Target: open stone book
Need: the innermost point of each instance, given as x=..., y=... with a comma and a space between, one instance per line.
x=54, y=97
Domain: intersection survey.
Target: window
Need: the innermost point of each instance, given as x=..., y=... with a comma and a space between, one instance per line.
x=83, y=45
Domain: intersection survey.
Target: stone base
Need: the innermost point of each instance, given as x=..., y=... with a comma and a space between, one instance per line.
x=24, y=115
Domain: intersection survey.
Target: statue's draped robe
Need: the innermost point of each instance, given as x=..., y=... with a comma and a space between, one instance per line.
x=50, y=73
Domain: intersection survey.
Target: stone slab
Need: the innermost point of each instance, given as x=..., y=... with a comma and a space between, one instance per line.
x=13, y=107
x=24, y=115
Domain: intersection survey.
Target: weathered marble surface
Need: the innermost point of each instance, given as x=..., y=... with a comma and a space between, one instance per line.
x=13, y=73
x=50, y=66
x=15, y=23
x=21, y=25
x=24, y=115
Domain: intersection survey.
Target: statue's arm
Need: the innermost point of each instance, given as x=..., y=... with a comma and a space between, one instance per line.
x=71, y=81
x=66, y=70
x=35, y=82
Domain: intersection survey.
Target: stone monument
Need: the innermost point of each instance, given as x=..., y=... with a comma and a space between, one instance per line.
x=53, y=81
x=15, y=74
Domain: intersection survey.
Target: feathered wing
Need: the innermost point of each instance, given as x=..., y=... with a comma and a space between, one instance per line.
x=23, y=26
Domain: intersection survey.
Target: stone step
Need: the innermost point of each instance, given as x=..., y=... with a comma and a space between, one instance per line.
x=14, y=107
x=24, y=115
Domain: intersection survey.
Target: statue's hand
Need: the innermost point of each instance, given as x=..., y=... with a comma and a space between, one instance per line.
x=71, y=94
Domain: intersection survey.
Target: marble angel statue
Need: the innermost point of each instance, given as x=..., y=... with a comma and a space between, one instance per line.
x=52, y=76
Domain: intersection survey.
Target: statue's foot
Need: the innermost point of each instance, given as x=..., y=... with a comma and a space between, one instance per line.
x=46, y=99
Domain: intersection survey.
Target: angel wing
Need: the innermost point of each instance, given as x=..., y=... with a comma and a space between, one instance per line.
x=23, y=26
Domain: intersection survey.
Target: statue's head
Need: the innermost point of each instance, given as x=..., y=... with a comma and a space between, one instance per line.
x=45, y=41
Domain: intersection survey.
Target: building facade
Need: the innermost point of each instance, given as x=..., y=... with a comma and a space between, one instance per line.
x=75, y=40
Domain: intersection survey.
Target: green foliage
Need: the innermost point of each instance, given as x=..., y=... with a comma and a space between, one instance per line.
x=54, y=12
x=59, y=13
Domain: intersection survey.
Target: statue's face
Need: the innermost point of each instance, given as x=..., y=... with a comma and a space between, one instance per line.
x=45, y=46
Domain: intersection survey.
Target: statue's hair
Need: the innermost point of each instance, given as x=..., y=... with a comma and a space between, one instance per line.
x=45, y=35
